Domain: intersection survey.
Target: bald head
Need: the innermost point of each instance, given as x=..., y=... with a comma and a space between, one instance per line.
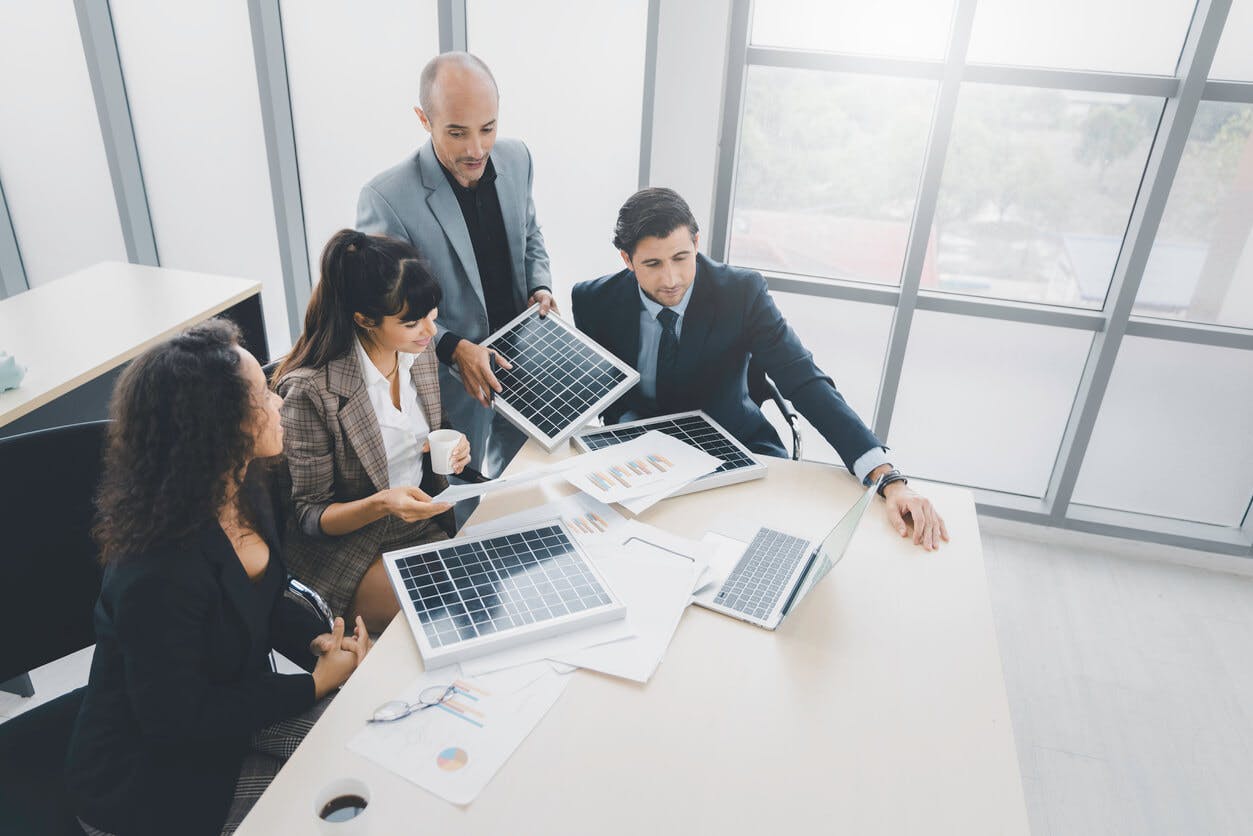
x=455, y=74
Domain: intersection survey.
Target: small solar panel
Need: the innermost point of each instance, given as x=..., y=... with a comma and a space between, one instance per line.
x=560, y=378
x=472, y=596
x=697, y=429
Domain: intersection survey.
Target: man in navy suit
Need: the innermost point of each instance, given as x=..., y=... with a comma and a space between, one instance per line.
x=689, y=325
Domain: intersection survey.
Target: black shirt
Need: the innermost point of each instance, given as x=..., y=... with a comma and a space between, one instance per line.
x=480, y=206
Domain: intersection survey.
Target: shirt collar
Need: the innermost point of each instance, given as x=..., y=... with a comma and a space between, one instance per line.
x=489, y=177
x=374, y=377
x=654, y=308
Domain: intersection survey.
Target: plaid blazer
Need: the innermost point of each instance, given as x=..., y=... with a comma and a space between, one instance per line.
x=335, y=453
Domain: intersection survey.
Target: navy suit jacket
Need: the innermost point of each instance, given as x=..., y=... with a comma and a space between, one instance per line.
x=730, y=317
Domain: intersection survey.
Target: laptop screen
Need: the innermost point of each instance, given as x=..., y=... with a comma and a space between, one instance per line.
x=831, y=549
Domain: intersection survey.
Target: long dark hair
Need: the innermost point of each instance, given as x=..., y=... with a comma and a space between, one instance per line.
x=178, y=440
x=373, y=275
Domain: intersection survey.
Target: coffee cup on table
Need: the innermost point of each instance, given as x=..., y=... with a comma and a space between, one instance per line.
x=443, y=442
x=342, y=808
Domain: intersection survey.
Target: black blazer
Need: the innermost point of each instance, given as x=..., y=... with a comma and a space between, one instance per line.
x=730, y=317
x=179, y=681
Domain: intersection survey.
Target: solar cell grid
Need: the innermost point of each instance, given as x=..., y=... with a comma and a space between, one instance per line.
x=558, y=380
x=476, y=589
x=693, y=429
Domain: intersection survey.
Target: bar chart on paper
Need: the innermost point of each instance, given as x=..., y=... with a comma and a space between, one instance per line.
x=653, y=464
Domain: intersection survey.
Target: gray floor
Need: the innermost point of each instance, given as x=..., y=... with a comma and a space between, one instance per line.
x=1129, y=674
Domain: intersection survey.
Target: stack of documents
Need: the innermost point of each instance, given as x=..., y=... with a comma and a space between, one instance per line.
x=641, y=472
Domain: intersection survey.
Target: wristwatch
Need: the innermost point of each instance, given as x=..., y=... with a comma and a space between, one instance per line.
x=888, y=478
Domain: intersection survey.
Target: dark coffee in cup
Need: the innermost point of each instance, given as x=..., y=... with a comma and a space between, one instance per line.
x=343, y=808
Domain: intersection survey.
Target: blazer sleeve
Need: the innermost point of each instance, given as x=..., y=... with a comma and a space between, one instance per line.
x=310, y=452
x=538, y=273
x=376, y=215
x=163, y=629
x=791, y=366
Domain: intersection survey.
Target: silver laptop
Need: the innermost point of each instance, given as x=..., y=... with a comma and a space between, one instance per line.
x=778, y=570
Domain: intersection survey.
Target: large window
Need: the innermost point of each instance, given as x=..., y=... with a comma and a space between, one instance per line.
x=1061, y=214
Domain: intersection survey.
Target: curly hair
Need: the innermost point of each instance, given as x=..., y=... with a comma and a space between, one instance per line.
x=179, y=438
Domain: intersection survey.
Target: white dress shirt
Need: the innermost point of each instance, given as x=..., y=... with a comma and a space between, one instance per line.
x=404, y=430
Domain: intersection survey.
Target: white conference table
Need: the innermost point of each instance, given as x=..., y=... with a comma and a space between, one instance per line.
x=878, y=707
x=75, y=329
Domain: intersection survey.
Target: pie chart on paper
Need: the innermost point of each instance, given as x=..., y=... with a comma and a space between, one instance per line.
x=452, y=759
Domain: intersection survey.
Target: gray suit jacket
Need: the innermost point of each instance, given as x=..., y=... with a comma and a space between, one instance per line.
x=413, y=201
x=335, y=453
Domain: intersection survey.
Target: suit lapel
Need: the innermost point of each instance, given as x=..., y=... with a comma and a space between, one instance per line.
x=447, y=211
x=425, y=374
x=356, y=416
x=513, y=209
x=218, y=551
x=625, y=306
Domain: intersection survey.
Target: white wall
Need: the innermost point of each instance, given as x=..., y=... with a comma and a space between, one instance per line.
x=353, y=72
x=571, y=78
x=687, y=106
x=52, y=160
x=192, y=86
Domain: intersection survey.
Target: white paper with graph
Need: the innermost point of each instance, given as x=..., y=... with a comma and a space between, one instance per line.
x=641, y=471
x=455, y=748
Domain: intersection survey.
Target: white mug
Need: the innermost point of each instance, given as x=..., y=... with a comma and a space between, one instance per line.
x=443, y=442
x=343, y=824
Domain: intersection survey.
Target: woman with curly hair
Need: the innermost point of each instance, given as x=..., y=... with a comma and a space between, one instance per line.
x=184, y=721
x=360, y=396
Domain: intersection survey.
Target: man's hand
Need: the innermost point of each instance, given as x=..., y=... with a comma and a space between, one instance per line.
x=475, y=364
x=545, y=301
x=929, y=526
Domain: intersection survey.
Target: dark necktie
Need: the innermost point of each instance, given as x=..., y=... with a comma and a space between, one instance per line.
x=667, y=358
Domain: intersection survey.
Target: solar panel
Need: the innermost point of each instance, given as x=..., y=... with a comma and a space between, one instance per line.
x=697, y=429
x=560, y=378
x=472, y=596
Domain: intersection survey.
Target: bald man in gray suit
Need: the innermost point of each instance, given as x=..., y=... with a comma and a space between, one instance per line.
x=464, y=200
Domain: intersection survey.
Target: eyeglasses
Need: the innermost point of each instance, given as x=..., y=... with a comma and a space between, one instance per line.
x=428, y=697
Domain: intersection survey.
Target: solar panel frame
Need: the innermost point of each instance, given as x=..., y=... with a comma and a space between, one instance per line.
x=551, y=438
x=454, y=556
x=585, y=441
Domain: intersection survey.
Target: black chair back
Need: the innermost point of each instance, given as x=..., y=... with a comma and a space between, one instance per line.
x=50, y=578
x=49, y=568
x=762, y=389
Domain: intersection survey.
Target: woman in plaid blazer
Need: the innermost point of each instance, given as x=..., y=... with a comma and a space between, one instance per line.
x=360, y=391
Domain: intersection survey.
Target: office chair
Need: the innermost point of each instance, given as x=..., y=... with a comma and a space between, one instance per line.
x=50, y=577
x=762, y=389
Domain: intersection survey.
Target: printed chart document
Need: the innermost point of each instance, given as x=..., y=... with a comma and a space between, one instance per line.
x=589, y=520
x=639, y=472
x=453, y=749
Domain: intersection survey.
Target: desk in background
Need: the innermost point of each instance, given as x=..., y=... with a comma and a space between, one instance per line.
x=75, y=334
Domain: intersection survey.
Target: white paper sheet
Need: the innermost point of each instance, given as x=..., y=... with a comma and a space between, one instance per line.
x=456, y=493
x=656, y=586
x=647, y=469
x=540, y=649
x=455, y=749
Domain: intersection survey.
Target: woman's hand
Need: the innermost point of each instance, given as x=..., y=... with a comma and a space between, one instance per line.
x=410, y=504
x=325, y=643
x=340, y=658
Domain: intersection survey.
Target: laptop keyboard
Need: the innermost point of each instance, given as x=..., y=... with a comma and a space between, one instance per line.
x=757, y=582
